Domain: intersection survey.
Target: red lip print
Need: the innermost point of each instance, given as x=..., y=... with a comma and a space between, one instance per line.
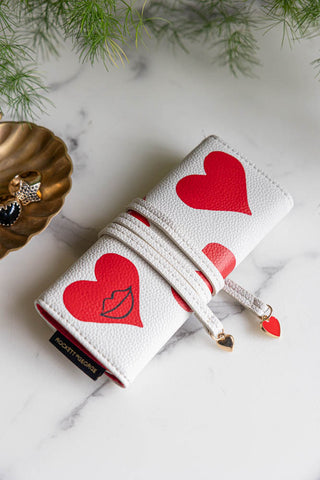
x=223, y=188
x=113, y=298
x=119, y=305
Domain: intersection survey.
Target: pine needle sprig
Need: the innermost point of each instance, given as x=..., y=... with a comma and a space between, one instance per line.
x=309, y=17
x=21, y=88
x=104, y=30
x=226, y=26
x=299, y=19
x=283, y=13
x=99, y=30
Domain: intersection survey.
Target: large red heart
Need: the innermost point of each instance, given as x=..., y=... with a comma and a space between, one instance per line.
x=113, y=298
x=223, y=188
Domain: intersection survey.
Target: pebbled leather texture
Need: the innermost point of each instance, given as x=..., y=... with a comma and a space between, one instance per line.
x=239, y=232
x=117, y=306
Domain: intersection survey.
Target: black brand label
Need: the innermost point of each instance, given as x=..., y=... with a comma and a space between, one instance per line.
x=80, y=359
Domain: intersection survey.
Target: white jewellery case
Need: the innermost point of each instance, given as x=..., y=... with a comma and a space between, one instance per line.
x=164, y=257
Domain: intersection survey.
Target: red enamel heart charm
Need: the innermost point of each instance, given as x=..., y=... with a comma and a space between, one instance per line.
x=113, y=298
x=271, y=326
x=223, y=188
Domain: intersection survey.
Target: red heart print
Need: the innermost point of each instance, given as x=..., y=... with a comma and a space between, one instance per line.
x=113, y=298
x=271, y=326
x=223, y=188
x=221, y=257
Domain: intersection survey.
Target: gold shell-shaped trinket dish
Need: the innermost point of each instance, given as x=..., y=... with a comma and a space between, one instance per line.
x=35, y=176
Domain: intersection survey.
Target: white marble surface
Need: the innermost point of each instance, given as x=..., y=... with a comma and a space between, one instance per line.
x=194, y=412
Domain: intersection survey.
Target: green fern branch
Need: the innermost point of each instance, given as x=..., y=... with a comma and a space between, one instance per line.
x=104, y=30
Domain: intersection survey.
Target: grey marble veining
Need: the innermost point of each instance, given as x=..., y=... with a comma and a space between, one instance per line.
x=54, y=86
x=70, y=419
x=71, y=233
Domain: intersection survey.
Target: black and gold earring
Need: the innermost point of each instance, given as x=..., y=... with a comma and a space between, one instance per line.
x=24, y=188
x=10, y=210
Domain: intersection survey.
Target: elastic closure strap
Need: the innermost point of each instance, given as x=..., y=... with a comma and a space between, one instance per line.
x=169, y=252
x=269, y=324
x=171, y=275
x=180, y=238
x=245, y=298
x=239, y=293
x=164, y=247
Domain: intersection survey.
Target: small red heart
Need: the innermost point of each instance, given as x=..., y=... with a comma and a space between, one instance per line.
x=221, y=257
x=271, y=326
x=113, y=298
x=223, y=188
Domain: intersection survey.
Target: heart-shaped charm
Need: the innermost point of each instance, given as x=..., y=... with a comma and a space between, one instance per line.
x=271, y=326
x=10, y=210
x=225, y=341
x=112, y=298
x=222, y=188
